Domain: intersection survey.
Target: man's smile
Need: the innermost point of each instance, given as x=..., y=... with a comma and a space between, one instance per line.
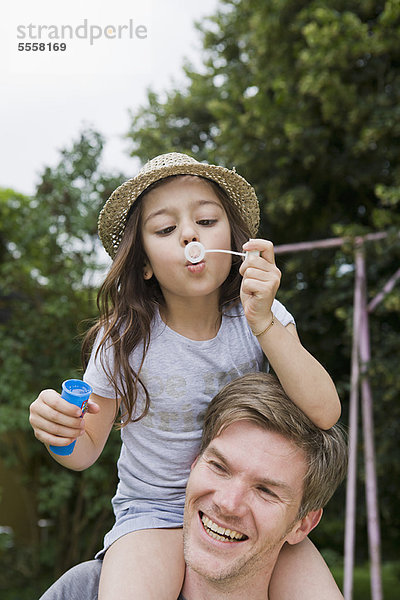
x=219, y=533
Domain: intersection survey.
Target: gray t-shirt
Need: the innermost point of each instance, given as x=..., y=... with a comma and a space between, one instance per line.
x=79, y=583
x=181, y=376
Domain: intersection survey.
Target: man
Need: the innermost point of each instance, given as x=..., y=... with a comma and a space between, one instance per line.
x=262, y=477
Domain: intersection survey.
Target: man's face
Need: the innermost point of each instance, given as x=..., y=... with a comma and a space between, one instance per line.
x=242, y=501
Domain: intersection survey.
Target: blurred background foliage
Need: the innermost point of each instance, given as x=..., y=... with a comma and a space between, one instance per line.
x=303, y=98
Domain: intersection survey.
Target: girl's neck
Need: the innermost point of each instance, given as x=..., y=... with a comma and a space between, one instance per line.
x=197, y=319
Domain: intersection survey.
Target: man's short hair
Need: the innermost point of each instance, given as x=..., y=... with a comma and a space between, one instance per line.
x=260, y=398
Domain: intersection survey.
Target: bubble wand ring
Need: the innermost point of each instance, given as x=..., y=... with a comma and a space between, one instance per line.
x=195, y=252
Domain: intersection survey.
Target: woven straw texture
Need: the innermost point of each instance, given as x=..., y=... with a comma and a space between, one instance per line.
x=112, y=219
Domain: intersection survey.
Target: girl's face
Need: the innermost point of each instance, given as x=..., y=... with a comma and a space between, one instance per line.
x=185, y=209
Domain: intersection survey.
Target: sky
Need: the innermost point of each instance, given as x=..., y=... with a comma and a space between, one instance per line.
x=114, y=52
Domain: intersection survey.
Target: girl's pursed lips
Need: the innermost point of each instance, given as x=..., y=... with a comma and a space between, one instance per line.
x=196, y=268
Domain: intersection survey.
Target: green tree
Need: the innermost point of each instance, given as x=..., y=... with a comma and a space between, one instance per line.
x=49, y=263
x=303, y=98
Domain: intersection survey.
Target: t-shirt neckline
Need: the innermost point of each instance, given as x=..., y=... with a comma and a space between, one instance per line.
x=164, y=327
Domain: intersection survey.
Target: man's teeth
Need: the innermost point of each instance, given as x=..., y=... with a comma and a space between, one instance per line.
x=220, y=533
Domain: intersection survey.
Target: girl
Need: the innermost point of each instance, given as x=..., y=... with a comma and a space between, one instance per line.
x=170, y=335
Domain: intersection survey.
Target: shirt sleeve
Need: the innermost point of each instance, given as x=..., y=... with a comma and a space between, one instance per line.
x=280, y=312
x=95, y=374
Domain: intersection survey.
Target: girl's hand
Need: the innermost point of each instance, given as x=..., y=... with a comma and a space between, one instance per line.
x=261, y=279
x=56, y=421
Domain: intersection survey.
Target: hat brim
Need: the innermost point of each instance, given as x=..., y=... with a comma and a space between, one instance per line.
x=113, y=217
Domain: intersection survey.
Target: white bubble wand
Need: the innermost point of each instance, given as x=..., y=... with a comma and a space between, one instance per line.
x=195, y=252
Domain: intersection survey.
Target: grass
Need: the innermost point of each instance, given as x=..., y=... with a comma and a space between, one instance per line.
x=361, y=581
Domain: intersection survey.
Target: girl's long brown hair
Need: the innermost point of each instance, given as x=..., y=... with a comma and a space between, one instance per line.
x=127, y=304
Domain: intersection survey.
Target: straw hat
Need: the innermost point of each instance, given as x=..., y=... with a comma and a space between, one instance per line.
x=112, y=219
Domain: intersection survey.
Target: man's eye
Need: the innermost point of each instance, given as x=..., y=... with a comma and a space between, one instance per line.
x=267, y=492
x=166, y=230
x=217, y=466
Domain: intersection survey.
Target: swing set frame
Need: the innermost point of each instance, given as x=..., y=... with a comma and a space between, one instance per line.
x=359, y=385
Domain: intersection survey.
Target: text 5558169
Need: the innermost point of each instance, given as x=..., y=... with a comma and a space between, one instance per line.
x=42, y=47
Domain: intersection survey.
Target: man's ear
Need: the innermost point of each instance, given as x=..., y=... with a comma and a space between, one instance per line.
x=194, y=463
x=302, y=528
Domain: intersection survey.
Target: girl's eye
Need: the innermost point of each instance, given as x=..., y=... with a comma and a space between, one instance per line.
x=207, y=222
x=166, y=230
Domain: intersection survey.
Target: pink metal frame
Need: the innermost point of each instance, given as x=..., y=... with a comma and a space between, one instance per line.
x=360, y=358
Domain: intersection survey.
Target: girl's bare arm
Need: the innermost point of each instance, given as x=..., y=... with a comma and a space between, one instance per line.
x=57, y=422
x=303, y=378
